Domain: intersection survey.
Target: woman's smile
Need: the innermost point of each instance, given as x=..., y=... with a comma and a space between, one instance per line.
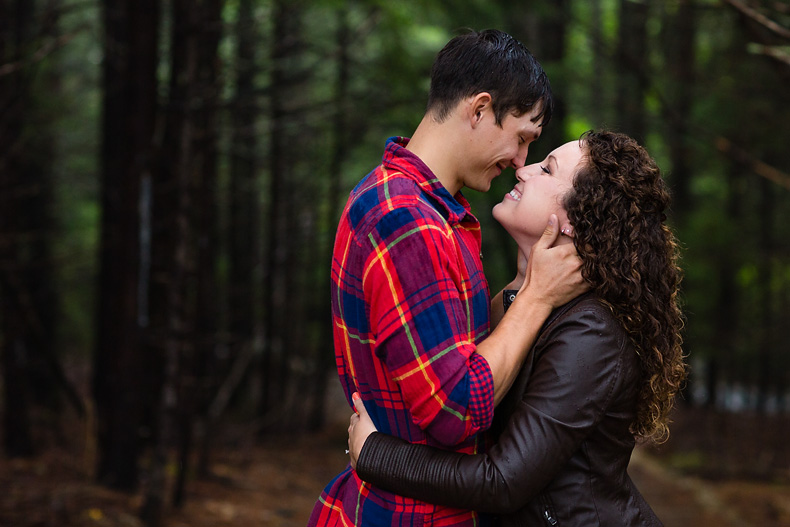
x=514, y=194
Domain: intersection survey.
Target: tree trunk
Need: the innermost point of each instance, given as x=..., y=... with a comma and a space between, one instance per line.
x=242, y=231
x=243, y=185
x=545, y=34
x=14, y=29
x=324, y=359
x=206, y=224
x=597, y=104
x=679, y=37
x=679, y=45
x=765, y=254
x=729, y=301
x=128, y=122
x=631, y=68
x=279, y=307
x=186, y=216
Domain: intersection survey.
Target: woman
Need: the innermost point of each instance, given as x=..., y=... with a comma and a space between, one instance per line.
x=603, y=373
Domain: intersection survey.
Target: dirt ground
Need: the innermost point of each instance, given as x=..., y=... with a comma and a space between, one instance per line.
x=275, y=484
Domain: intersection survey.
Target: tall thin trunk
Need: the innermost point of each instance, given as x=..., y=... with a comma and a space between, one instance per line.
x=128, y=122
x=14, y=299
x=243, y=229
x=188, y=267
x=597, y=106
x=35, y=374
x=284, y=78
x=767, y=247
x=243, y=181
x=631, y=64
x=679, y=36
x=324, y=352
x=172, y=258
x=206, y=225
x=679, y=45
x=728, y=301
x=550, y=49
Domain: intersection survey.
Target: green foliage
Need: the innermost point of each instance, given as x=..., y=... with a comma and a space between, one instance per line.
x=75, y=109
x=736, y=92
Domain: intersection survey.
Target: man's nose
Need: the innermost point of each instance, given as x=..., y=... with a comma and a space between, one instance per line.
x=521, y=156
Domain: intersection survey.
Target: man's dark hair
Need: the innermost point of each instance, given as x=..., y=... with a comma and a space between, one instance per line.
x=489, y=61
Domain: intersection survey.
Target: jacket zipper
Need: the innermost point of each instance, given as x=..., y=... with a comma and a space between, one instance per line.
x=548, y=511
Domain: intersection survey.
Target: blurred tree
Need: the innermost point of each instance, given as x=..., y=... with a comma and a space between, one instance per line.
x=547, y=26
x=241, y=231
x=121, y=374
x=283, y=309
x=33, y=375
x=15, y=39
x=679, y=49
x=185, y=215
x=323, y=359
x=244, y=164
x=598, y=62
x=735, y=232
x=632, y=68
x=766, y=36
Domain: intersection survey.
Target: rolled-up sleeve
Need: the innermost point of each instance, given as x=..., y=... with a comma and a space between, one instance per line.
x=420, y=316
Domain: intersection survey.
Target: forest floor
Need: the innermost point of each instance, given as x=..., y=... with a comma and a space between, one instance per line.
x=721, y=470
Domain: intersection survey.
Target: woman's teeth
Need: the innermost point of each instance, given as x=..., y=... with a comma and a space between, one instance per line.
x=515, y=195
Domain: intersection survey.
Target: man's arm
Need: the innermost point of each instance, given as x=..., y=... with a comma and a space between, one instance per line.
x=425, y=316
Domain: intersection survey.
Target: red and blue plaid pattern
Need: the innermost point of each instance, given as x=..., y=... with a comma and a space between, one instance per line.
x=409, y=305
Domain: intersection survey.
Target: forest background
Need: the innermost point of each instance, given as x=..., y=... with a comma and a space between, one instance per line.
x=172, y=171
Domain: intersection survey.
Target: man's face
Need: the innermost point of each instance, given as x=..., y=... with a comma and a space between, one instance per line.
x=496, y=148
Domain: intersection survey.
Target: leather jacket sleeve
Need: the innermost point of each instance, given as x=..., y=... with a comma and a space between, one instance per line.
x=574, y=372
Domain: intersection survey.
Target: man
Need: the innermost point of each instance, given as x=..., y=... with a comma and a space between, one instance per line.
x=410, y=303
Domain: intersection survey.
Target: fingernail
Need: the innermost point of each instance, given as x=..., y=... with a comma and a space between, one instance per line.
x=355, y=396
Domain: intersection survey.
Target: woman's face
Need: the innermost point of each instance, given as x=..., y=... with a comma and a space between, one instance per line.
x=525, y=210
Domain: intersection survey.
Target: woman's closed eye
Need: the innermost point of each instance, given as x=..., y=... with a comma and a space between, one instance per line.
x=544, y=169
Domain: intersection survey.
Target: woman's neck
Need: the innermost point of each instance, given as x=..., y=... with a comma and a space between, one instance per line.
x=526, y=246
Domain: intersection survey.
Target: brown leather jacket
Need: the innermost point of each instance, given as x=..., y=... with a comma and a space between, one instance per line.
x=563, y=440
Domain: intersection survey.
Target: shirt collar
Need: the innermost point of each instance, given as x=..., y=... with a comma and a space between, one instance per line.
x=397, y=157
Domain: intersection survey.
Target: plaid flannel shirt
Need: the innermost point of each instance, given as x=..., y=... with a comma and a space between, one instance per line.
x=409, y=305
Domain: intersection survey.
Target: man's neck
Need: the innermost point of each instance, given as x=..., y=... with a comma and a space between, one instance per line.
x=436, y=146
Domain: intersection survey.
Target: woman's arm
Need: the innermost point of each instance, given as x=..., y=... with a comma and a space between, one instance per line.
x=577, y=371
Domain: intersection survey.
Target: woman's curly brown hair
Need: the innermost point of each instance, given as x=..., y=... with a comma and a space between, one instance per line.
x=617, y=209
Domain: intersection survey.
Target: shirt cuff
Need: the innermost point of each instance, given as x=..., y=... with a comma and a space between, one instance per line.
x=481, y=392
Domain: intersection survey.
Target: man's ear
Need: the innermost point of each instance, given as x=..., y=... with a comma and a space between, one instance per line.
x=477, y=106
